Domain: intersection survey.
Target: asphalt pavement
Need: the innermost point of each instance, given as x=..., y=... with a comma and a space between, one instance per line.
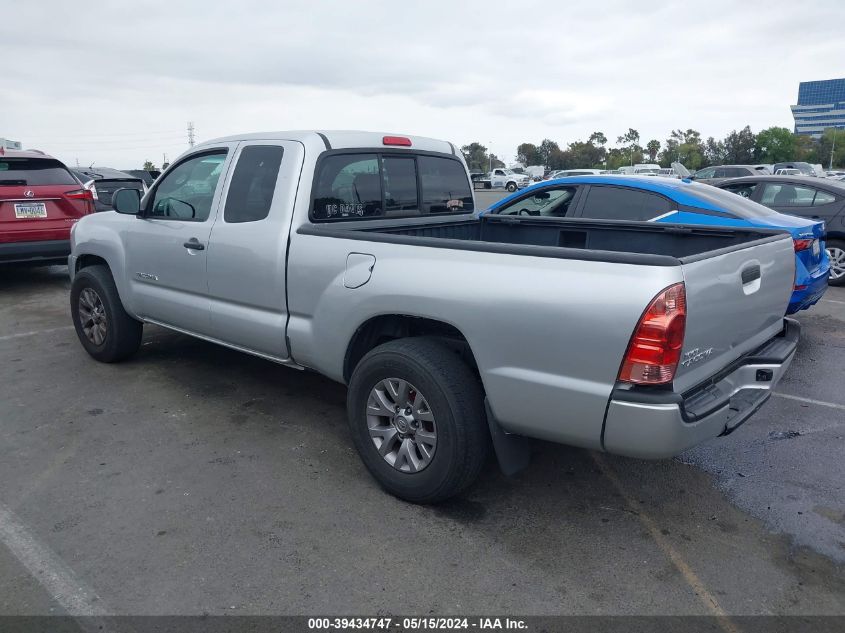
x=193, y=479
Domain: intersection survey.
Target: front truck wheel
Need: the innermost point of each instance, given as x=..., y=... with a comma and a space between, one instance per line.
x=106, y=332
x=417, y=419
x=511, y=186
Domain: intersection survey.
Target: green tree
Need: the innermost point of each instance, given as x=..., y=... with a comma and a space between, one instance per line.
x=831, y=148
x=547, y=149
x=495, y=161
x=148, y=166
x=652, y=147
x=581, y=154
x=630, y=140
x=598, y=138
x=529, y=154
x=740, y=146
x=714, y=152
x=475, y=154
x=775, y=145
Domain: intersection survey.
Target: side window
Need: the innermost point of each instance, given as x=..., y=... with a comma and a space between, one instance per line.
x=705, y=173
x=400, y=185
x=823, y=197
x=499, y=172
x=348, y=186
x=787, y=195
x=253, y=183
x=187, y=191
x=549, y=202
x=720, y=172
x=618, y=203
x=445, y=188
x=746, y=190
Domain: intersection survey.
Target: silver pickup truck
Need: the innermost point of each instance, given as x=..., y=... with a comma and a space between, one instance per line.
x=360, y=256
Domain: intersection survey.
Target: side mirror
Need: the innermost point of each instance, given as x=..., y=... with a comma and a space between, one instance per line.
x=126, y=201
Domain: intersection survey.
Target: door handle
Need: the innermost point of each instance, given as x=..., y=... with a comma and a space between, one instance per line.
x=194, y=244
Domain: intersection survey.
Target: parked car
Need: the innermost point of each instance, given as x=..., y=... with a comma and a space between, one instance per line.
x=789, y=171
x=102, y=182
x=39, y=202
x=802, y=167
x=566, y=173
x=677, y=202
x=147, y=176
x=359, y=256
x=502, y=178
x=716, y=174
x=811, y=198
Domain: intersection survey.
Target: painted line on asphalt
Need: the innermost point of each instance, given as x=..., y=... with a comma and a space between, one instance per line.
x=821, y=403
x=699, y=589
x=50, y=571
x=9, y=337
x=833, y=301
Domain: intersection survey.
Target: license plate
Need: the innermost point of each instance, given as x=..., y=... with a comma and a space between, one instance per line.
x=816, y=248
x=33, y=210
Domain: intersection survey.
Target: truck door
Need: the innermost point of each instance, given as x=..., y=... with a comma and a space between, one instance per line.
x=497, y=180
x=248, y=247
x=166, y=249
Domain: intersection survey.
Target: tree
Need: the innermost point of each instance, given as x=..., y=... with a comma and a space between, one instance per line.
x=831, y=148
x=739, y=146
x=581, y=154
x=547, y=149
x=775, y=145
x=631, y=140
x=148, y=166
x=475, y=154
x=495, y=162
x=529, y=154
x=598, y=138
x=684, y=147
x=652, y=147
x=714, y=152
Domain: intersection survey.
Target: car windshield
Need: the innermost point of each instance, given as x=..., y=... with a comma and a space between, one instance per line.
x=732, y=203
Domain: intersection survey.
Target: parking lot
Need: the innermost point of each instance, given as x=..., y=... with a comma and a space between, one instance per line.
x=193, y=479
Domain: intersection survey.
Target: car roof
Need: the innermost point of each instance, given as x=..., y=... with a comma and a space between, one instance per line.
x=26, y=153
x=681, y=191
x=102, y=172
x=819, y=183
x=341, y=139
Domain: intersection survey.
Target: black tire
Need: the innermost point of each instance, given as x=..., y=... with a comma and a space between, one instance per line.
x=511, y=186
x=122, y=332
x=455, y=398
x=840, y=245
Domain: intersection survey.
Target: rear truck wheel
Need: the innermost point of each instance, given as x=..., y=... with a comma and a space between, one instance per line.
x=416, y=414
x=836, y=252
x=511, y=186
x=106, y=332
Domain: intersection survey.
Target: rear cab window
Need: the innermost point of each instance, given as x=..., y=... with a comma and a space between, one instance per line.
x=367, y=185
x=34, y=172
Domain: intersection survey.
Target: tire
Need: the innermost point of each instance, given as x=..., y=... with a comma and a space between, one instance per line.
x=836, y=252
x=110, y=334
x=454, y=401
x=511, y=186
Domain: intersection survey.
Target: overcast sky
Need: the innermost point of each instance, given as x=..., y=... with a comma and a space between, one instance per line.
x=114, y=83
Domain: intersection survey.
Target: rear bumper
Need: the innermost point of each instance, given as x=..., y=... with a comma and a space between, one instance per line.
x=655, y=425
x=816, y=285
x=34, y=252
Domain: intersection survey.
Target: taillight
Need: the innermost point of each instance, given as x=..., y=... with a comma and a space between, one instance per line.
x=80, y=194
x=401, y=141
x=802, y=245
x=655, y=347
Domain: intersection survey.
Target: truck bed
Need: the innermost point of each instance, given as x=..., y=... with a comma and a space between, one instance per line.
x=601, y=240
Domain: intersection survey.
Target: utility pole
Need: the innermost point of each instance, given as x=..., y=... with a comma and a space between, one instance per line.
x=832, y=147
x=190, y=133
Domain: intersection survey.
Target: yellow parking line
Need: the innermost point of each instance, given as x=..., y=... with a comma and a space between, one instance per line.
x=707, y=598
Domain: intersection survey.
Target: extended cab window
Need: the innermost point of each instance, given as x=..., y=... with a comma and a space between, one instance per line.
x=620, y=203
x=355, y=186
x=187, y=191
x=253, y=183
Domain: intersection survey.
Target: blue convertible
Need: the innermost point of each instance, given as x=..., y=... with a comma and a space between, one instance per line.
x=675, y=201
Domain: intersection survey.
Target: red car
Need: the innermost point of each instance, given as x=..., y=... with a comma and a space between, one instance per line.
x=39, y=201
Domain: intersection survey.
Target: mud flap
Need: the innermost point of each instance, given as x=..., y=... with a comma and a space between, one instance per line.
x=512, y=451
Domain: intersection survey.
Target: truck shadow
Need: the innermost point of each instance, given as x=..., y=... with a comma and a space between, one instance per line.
x=32, y=279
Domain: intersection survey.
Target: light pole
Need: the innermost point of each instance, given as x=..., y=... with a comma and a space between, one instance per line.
x=832, y=147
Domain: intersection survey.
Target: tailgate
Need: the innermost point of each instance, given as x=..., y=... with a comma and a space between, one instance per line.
x=34, y=213
x=736, y=301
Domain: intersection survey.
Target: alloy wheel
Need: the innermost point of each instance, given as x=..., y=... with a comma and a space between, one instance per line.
x=92, y=316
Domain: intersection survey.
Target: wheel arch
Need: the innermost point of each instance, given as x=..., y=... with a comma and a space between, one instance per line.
x=387, y=327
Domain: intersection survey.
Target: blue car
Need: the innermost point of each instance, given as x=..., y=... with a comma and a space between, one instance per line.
x=655, y=199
